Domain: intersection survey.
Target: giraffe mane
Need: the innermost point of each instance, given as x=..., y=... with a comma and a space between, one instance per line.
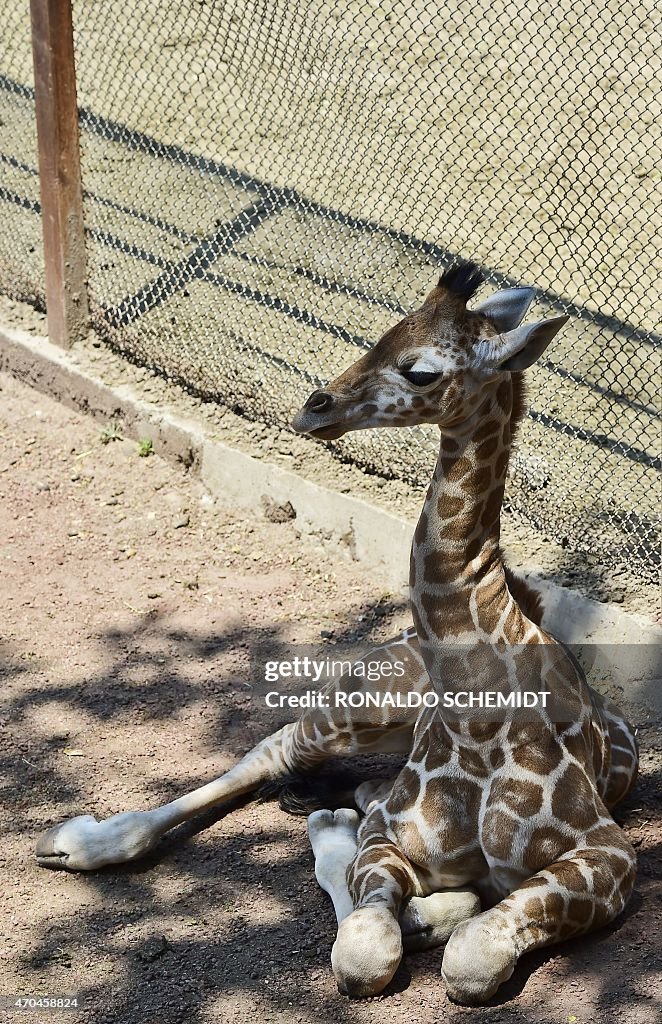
x=520, y=402
x=529, y=600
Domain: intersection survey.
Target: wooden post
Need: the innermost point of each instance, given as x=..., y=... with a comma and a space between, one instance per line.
x=59, y=170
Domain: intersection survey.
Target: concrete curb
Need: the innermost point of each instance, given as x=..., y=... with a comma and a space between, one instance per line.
x=629, y=645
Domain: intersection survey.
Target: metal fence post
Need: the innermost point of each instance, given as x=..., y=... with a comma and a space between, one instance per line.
x=59, y=169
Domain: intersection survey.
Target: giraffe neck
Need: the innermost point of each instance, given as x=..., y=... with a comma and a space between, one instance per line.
x=457, y=581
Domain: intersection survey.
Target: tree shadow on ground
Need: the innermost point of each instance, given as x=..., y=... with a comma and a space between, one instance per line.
x=226, y=923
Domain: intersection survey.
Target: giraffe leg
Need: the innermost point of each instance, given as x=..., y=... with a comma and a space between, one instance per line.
x=623, y=761
x=368, y=946
x=584, y=889
x=85, y=844
x=426, y=922
x=332, y=835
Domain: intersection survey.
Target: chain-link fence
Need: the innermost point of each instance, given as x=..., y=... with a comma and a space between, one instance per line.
x=267, y=186
x=21, y=255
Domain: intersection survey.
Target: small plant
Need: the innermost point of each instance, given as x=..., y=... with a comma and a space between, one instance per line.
x=111, y=432
x=145, y=448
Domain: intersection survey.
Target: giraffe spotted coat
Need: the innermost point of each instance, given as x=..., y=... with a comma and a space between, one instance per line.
x=517, y=807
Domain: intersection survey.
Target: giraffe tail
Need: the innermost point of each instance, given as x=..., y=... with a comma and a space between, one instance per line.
x=303, y=794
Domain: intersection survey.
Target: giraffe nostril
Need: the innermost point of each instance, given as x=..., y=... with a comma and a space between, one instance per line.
x=319, y=401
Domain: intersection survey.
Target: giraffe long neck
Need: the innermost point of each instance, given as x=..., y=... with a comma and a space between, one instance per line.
x=457, y=580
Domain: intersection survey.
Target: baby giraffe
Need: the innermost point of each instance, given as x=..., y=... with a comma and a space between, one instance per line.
x=515, y=804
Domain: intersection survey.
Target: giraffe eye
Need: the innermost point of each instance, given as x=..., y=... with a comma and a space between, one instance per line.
x=419, y=378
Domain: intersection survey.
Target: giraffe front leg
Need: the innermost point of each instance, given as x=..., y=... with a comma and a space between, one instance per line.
x=584, y=889
x=85, y=844
x=369, y=945
x=425, y=922
x=368, y=884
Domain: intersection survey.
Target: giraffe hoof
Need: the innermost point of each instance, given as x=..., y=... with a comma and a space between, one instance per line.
x=332, y=836
x=55, y=847
x=367, y=952
x=84, y=844
x=478, y=958
x=332, y=828
x=429, y=921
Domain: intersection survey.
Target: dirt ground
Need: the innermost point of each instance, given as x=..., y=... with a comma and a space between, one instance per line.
x=131, y=603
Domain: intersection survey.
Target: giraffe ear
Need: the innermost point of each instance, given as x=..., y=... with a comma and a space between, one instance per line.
x=519, y=349
x=507, y=308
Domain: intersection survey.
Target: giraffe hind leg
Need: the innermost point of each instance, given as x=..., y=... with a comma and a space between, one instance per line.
x=85, y=844
x=428, y=922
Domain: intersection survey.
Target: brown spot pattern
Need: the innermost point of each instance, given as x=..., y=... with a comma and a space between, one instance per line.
x=538, y=754
x=523, y=797
x=497, y=756
x=544, y=847
x=449, y=506
x=487, y=449
x=452, y=806
x=573, y=800
x=479, y=481
x=497, y=834
x=455, y=469
x=471, y=762
x=568, y=875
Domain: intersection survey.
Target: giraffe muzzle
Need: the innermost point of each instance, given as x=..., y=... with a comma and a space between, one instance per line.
x=318, y=417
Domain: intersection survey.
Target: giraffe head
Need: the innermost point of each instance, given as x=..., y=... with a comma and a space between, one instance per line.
x=435, y=364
